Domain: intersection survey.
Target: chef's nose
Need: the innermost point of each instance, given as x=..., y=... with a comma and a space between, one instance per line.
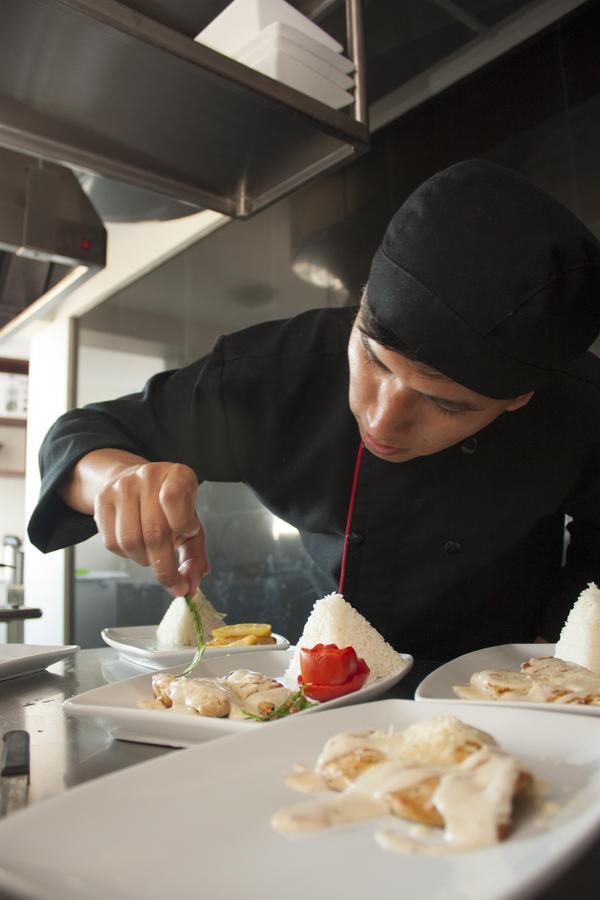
x=392, y=410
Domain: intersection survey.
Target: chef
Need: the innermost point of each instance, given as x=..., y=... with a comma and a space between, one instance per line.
x=429, y=447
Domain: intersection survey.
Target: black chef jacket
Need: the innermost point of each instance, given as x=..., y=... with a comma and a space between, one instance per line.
x=447, y=553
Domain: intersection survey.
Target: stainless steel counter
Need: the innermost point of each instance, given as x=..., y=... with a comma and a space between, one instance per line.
x=66, y=751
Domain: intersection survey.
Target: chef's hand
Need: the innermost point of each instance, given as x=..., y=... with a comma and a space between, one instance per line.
x=144, y=511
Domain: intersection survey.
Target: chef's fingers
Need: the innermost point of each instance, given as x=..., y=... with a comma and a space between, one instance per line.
x=193, y=561
x=117, y=515
x=178, y=494
x=178, y=491
x=160, y=544
x=104, y=517
x=129, y=537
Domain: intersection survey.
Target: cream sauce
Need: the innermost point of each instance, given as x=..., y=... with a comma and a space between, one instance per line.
x=238, y=692
x=305, y=781
x=473, y=797
x=397, y=843
x=326, y=813
x=543, y=680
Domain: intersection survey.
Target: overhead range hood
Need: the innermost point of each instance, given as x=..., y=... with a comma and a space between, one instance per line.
x=152, y=124
x=51, y=238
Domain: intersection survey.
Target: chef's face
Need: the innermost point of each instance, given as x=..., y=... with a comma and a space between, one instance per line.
x=406, y=409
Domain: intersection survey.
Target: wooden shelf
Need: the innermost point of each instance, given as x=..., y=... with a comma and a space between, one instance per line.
x=15, y=423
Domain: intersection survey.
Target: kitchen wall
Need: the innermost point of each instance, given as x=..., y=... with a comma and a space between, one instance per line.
x=12, y=505
x=12, y=521
x=536, y=110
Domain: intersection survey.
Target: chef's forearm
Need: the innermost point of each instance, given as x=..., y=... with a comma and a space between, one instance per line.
x=92, y=473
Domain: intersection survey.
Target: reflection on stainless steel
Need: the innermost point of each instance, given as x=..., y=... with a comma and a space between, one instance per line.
x=15, y=771
x=64, y=752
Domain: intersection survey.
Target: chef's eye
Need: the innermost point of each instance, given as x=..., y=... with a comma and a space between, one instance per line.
x=446, y=409
x=371, y=358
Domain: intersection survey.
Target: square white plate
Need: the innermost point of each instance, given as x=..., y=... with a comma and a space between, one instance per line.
x=137, y=644
x=315, y=48
x=296, y=75
x=243, y=19
x=114, y=706
x=438, y=684
x=196, y=823
x=271, y=40
x=23, y=659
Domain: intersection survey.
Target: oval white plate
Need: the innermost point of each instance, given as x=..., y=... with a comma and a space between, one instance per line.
x=438, y=684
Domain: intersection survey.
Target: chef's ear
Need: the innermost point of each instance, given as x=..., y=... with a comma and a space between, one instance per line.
x=518, y=402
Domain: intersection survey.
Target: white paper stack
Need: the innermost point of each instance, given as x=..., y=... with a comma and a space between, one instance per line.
x=277, y=40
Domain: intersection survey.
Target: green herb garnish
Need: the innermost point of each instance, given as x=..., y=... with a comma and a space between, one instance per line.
x=295, y=703
x=200, y=643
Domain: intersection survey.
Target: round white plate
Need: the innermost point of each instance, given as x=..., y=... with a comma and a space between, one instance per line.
x=137, y=644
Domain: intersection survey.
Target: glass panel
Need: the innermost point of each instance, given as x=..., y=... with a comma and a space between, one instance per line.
x=238, y=276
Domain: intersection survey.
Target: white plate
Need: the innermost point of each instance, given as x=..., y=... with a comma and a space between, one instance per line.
x=242, y=19
x=137, y=644
x=114, y=706
x=272, y=41
x=316, y=48
x=438, y=684
x=23, y=659
x=295, y=74
x=196, y=823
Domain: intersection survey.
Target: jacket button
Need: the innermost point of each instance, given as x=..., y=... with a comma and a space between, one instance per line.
x=469, y=446
x=452, y=547
x=355, y=537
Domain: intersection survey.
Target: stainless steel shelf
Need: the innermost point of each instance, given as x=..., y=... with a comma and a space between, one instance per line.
x=98, y=86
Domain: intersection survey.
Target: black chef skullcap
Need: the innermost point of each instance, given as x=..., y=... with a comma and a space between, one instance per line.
x=487, y=279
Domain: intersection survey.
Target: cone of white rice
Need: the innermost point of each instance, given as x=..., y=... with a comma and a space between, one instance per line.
x=334, y=621
x=579, y=640
x=176, y=628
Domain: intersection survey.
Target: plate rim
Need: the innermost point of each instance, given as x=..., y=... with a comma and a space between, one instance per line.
x=28, y=664
x=283, y=643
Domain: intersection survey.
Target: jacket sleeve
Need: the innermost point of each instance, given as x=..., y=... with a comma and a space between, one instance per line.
x=582, y=560
x=179, y=416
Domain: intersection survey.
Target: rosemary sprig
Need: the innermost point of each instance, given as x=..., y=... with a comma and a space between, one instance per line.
x=296, y=702
x=200, y=643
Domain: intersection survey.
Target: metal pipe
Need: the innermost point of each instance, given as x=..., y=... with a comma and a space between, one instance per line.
x=357, y=53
